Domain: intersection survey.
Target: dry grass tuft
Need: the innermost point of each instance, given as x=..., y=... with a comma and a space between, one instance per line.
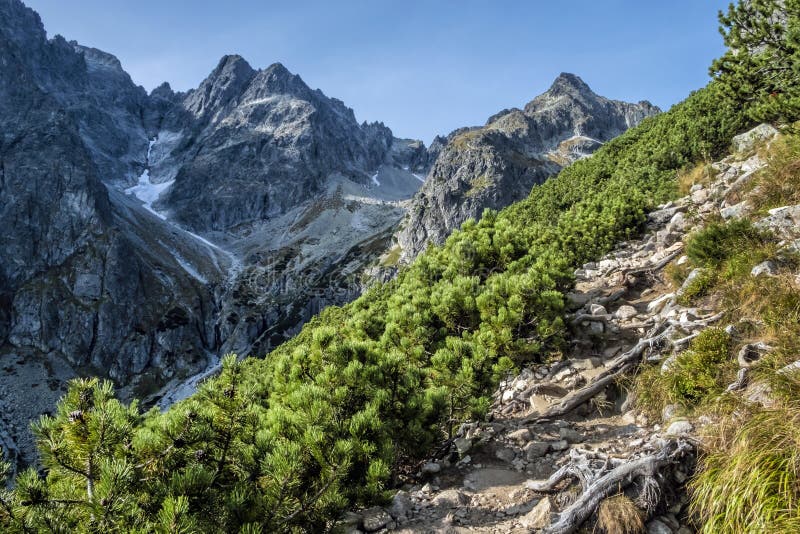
x=619, y=515
x=700, y=173
x=779, y=183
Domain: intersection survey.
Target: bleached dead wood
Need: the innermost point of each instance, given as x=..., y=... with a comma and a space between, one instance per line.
x=571, y=518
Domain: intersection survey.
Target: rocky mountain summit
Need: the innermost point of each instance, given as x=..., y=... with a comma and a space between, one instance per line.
x=498, y=164
x=565, y=446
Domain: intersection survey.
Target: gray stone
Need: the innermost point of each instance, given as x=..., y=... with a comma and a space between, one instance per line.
x=401, y=505
x=570, y=435
x=596, y=327
x=784, y=221
x=657, y=527
x=689, y=281
x=536, y=449
x=737, y=211
x=679, y=428
x=450, y=498
x=431, y=468
x=520, y=435
x=587, y=364
x=748, y=140
x=767, y=267
x=677, y=223
x=505, y=454
x=700, y=196
x=374, y=519
x=560, y=445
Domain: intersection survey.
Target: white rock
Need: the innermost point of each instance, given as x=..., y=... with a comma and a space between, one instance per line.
x=746, y=141
x=677, y=223
x=689, y=280
x=700, y=196
x=539, y=517
x=508, y=396
x=656, y=305
x=737, y=211
x=679, y=428
x=597, y=309
x=765, y=267
x=625, y=312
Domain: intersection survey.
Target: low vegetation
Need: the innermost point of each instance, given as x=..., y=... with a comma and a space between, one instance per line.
x=748, y=477
x=288, y=442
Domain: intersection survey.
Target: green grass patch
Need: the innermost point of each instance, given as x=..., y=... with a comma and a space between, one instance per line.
x=691, y=379
x=749, y=479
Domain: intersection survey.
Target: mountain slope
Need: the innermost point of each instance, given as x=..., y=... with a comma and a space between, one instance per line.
x=496, y=165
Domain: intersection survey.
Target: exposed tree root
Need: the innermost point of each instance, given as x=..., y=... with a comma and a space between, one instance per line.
x=604, y=483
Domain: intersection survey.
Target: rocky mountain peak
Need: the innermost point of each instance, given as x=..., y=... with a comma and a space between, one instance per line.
x=277, y=80
x=226, y=82
x=163, y=91
x=568, y=83
x=98, y=59
x=496, y=165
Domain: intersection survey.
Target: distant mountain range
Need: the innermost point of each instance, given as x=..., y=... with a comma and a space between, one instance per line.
x=145, y=235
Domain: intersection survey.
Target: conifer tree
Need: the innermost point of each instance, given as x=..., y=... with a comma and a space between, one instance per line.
x=762, y=65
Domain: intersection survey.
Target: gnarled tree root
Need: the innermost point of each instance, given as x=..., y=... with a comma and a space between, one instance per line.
x=605, y=483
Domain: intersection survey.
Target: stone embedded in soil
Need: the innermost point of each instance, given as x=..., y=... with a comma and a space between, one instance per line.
x=375, y=519
x=536, y=449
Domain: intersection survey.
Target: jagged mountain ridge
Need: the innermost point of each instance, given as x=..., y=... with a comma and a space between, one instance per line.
x=497, y=164
x=248, y=145
x=103, y=185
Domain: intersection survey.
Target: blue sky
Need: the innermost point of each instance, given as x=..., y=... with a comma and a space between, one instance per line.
x=420, y=67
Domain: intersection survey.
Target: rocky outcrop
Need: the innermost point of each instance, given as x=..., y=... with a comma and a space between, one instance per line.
x=498, y=164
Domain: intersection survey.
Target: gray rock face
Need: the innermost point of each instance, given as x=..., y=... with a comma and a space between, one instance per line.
x=498, y=164
x=251, y=145
x=89, y=282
